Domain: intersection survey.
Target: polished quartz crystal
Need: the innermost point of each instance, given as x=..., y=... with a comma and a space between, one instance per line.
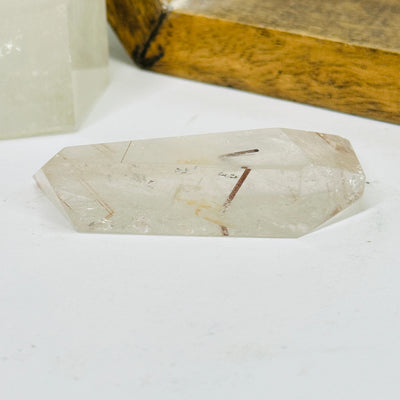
x=53, y=64
x=262, y=183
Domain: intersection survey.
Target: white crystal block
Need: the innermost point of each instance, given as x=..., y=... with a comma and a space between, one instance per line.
x=53, y=64
x=265, y=183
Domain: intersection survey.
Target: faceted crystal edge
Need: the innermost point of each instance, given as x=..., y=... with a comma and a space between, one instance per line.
x=44, y=184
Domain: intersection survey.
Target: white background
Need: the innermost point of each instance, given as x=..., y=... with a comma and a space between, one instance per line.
x=131, y=317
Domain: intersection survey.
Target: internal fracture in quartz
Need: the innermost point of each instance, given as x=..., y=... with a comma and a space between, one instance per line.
x=53, y=64
x=262, y=183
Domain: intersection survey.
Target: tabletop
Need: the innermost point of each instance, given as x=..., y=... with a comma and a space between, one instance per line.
x=89, y=316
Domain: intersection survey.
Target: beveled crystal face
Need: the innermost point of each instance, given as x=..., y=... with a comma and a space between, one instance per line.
x=53, y=64
x=261, y=183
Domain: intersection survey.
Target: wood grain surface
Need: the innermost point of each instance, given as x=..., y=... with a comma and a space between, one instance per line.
x=343, y=55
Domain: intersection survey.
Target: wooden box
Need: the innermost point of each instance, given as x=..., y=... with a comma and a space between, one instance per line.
x=339, y=54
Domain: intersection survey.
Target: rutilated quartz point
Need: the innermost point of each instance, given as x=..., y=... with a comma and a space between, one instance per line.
x=53, y=64
x=262, y=183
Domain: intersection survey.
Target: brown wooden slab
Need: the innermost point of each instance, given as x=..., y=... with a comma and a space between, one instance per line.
x=342, y=54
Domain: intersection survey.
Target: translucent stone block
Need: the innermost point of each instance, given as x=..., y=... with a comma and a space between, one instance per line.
x=53, y=64
x=262, y=183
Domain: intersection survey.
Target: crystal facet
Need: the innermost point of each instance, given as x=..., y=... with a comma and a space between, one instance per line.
x=262, y=183
x=53, y=64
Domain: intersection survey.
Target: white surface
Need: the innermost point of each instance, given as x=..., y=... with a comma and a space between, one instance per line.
x=130, y=317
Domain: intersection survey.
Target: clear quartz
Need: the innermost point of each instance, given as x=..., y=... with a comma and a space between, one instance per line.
x=53, y=64
x=262, y=183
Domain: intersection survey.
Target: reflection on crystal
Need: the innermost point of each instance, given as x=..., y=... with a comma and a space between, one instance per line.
x=53, y=64
x=262, y=183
